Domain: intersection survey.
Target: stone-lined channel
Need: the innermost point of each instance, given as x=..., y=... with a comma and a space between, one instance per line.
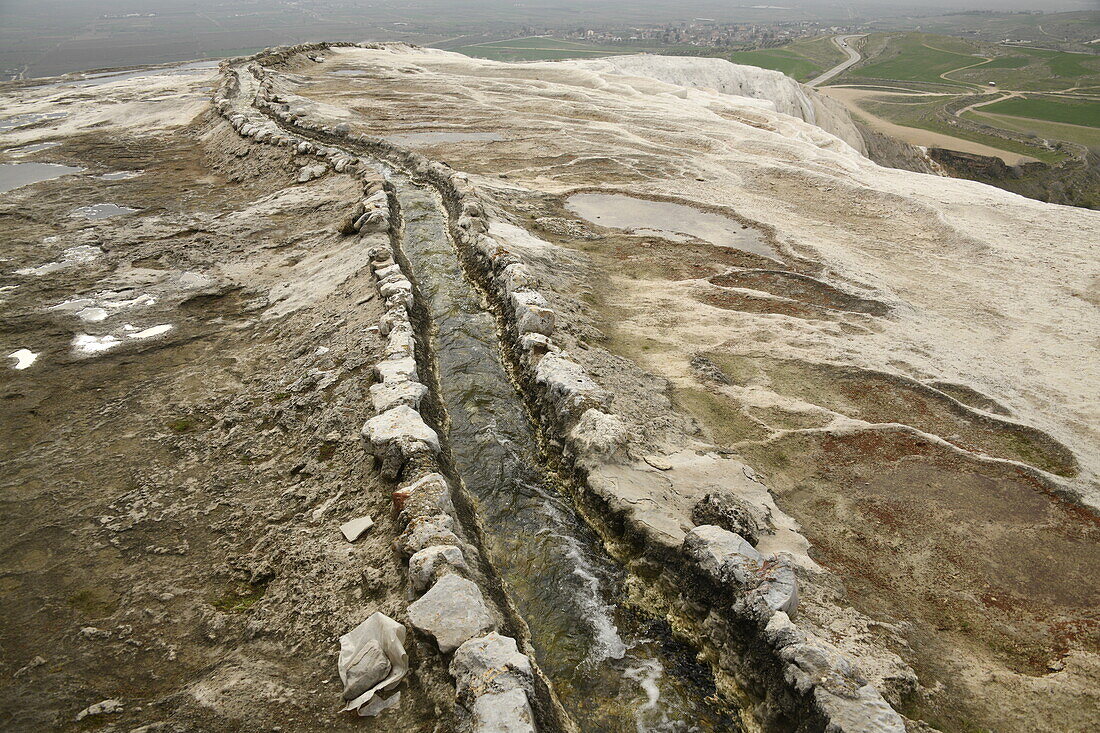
x=612, y=669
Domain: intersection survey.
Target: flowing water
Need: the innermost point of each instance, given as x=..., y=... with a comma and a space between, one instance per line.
x=612, y=670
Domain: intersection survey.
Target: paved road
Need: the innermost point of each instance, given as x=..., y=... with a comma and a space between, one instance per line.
x=844, y=44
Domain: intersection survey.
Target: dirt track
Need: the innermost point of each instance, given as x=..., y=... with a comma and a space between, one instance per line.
x=914, y=135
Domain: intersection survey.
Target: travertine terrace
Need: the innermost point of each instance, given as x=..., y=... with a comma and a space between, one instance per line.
x=820, y=438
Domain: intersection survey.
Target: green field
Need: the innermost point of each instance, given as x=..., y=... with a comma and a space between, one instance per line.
x=931, y=59
x=923, y=116
x=542, y=48
x=1087, y=136
x=1034, y=69
x=802, y=60
x=1067, y=111
x=1066, y=31
x=777, y=59
x=913, y=57
x=961, y=66
x=1007, y=62
x=1067, y=65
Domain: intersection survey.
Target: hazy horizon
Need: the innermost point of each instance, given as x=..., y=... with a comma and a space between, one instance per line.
x=49, y=37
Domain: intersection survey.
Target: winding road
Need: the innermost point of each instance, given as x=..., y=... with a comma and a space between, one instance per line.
x=844, y=44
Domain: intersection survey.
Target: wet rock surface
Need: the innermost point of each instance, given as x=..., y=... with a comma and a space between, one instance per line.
x=182, y=555
x=633, y=349
x=730, y=513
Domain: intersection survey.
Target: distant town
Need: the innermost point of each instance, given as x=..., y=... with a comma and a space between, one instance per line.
x=705, y=33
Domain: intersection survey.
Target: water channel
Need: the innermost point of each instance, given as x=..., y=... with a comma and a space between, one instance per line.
x=612, y=669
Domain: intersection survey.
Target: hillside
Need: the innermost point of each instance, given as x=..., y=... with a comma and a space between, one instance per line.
x=667, y=406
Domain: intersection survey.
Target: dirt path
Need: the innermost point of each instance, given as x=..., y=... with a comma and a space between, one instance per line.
x=914, y=135
x=994, y=97
x=944, y=75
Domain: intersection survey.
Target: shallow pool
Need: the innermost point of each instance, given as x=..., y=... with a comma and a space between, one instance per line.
x=14, y=175
x=441, y=136
x=10, y=123
x=102, y=211
x=678, y=222
x=33, y=148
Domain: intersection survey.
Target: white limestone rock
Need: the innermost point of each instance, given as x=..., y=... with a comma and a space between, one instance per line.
x=310, y=172
x=774, y=90
x=473, y=224
x=532, y=312
x=393, y=318
x=396, y=370
x=451, y=612
x=387, y=395
x=778, y=589
x=354, y=529
x=395, y=287
x=567, y=385
x=863, y=712
x=534, y=346
x=401, y=423
x=383, y=273
x=503, y=712
x=373, y=221
x=432, y=563
x=598, y=435
x=391, y=277
x=398, y=435
x=376, y=197
x=105, y=707
x=428, y=496
x=403, y=298
x=490, y=664
x=426, y=532
x=726, y=557
x=400, y=342
x=517, y=277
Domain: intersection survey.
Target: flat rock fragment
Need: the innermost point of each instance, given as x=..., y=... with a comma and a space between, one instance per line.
x=451, y=612
x=104, y=707
x=504, y=712
x=355, y=529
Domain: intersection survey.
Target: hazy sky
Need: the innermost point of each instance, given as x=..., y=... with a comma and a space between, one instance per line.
x=672, y=6
x=47, y=37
